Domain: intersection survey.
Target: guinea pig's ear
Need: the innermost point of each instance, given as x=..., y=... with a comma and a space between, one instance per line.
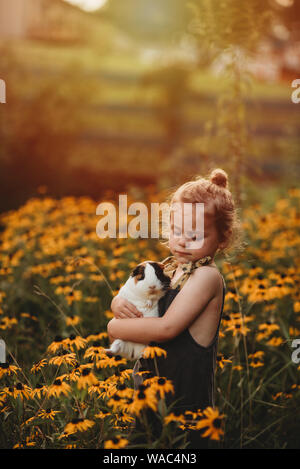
x=138, y=273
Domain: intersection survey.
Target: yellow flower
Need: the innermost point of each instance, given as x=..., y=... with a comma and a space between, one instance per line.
x=7, y=369
x=161, y=385
x=151, y=352
x=221, y=361
x=57, y=343
x=59, y=387
x=37, y=366
x=63, y=357
x=213, y=423
x=47, y=414
x=275, y=341
x=96, y=337
x=116, y=443
x=87, y=378
x=75, y=342
x=72, y=320
x=38, y=391
x=77, y=425
x=144, y=396
x=174, y=418
x=21, y=390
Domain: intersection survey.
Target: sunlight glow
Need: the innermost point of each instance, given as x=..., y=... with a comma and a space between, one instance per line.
x=88, y=5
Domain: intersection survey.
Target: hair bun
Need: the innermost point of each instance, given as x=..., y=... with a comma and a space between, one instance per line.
x=219, y=177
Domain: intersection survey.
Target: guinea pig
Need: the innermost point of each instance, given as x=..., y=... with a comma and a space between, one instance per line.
x=146, y=284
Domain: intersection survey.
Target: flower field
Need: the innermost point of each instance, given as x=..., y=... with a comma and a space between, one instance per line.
x=59, y=389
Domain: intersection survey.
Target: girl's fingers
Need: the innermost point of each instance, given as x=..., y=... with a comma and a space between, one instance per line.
x=126, y=313
x=130, y=313
x=133, y=309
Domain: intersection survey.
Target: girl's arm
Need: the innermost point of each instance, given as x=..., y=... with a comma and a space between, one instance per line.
x=198, y=291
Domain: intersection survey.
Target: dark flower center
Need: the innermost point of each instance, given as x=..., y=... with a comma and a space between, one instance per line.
x=76, y=421
x=217, y=423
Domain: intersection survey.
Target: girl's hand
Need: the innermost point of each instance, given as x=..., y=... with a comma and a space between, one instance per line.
x=124, y=309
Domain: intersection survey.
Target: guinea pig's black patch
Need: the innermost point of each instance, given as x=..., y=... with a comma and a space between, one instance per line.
x=138, y=272
x=165, y=280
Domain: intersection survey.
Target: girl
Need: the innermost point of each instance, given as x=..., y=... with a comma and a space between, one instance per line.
x=190, y=312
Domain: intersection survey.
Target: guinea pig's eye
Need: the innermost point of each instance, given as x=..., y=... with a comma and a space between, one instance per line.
x=138, y=273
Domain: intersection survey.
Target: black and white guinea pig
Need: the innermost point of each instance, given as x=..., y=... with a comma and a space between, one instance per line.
x=146, y=284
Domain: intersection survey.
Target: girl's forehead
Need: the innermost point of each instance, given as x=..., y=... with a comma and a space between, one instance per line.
x=192, y=211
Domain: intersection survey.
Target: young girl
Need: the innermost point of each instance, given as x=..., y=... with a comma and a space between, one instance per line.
x=190, y=312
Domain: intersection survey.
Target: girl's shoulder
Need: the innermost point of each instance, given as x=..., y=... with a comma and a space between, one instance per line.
x=209, y=273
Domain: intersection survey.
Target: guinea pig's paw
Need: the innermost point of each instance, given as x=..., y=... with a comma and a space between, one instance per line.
x=116, y=346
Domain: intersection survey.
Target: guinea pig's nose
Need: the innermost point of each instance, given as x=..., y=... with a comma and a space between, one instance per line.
x=152, y=287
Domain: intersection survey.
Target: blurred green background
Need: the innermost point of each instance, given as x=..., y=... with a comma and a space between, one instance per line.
x=105, y=96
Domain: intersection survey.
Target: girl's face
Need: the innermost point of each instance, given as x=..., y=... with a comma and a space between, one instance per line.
x=193, y=232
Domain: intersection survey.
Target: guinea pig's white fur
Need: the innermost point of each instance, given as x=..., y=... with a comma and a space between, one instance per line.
x=145, y=286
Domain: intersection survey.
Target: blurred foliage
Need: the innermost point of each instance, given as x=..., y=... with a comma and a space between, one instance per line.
x=105, y=115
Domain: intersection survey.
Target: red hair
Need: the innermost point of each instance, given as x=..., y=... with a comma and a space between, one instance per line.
x=214, y=188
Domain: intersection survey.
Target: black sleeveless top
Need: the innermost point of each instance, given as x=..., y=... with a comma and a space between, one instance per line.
x=189, y=365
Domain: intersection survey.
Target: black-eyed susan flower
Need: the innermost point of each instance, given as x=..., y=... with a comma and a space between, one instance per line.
x=102, y=415
x=161, y=385
x=7, y=322
x=221, y=361
x=110, y=361
x=39, y=391
x=87, y=378
x=144, y=396
x=237, y=328
x=95, y=351
x=72, y=320
x=117, y=403
x=212, y=421
x=75, y=342
x=96, y=337
x=21, y=390
x=57, y=343
x=95, y=389
x=275, y=341
x=8, y=370
x=28, y=443
x=47, y=414
x=172, y=417
x=116, y=443
x=63, y=358
x=74, y=295
x=256, y=359
x=266, y=329
x=59, y=387
x=123, y=390
x=77, y=425
x=39, y=365
x=151, y=352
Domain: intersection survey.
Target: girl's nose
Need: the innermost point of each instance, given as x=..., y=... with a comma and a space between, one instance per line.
x=181, y=242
